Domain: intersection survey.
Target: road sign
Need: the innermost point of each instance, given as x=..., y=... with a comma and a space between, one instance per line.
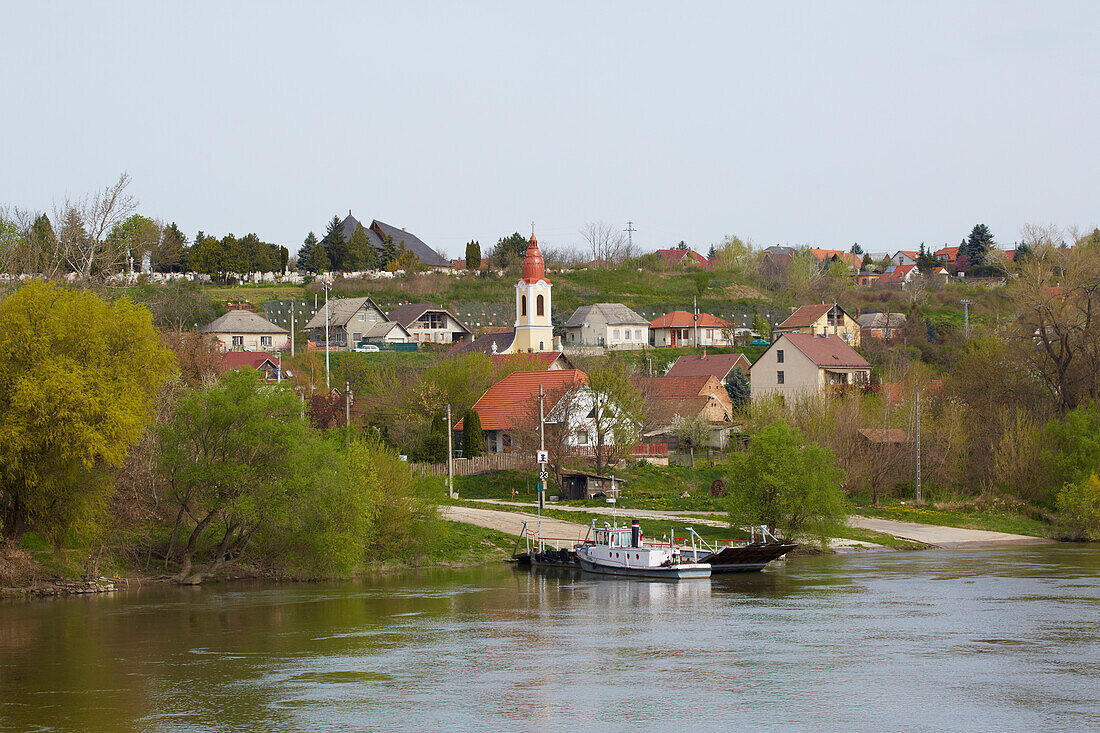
x=543, y=475
x=543, y=457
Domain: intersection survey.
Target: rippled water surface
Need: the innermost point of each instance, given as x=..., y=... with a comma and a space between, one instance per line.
x=992, y=639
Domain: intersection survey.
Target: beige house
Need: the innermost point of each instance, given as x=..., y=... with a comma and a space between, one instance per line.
x=824, y=319
x=799, y=364
x=610, y=325
x=431, y=323
x=352, y=321
x=242, y=330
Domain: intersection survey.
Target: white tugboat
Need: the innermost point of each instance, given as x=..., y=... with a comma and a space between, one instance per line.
x=619, y=551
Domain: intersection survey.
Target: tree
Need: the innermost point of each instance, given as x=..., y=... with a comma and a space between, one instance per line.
x=761, y=325
x=856, y=249
x=433, y=448
x=736, y=256
x=978, y=244
x=388, y=254
x=169, y=253
x=509, y=251
x=618, y=412
x=135, y=238
x=473, y=255
x=926, y=261
x=305, y=252
x=738, y=388
x=608, y=245
x=1079, y=507
x=335, y=244
x=73, y=403
x=785, y=483
x=473, y=442
x=692, y=432
x=361, y=254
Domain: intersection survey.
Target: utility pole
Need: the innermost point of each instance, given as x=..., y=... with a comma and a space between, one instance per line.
x=450, y=457
x=695, y=318
x=630, y=234
x=347, y=404
x=542, y=447
x=292, y=328
x=966, y=320
x=327, y=385
x=916, y=420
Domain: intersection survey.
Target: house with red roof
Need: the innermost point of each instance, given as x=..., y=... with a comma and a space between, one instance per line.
x=678, y=329
x=905, y=257
x=947, y=255
x=825, y=256
x=802, y=364
x=718, y=366
x=671, y=399
x=822, y=319
x=688, y=257
x=268, y=365
x=506, y=407
x=544, y=361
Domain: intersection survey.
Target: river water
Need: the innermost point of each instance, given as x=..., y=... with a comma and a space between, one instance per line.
x=989, y=639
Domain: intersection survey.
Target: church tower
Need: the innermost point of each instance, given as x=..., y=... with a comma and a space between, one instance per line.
x=534, y=331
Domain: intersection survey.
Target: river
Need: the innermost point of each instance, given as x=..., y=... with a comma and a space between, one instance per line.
x=979, y=639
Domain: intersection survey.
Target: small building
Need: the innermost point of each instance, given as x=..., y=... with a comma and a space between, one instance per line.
x=867, y=278
x=947, y=255
x=578, y=485
x=268, y=365
x=825, y=257
x=678, y=329
x=881, y=325
x=352, y=321
x=905, y=257
x=718, y=366
x=243, y=330
x=801, y=364
x=608, y=325
x=682, y=256
x=431, y=323
x=822, y=319
x=884, y=436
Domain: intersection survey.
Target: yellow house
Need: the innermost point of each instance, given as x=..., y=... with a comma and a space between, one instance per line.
x=822, y=320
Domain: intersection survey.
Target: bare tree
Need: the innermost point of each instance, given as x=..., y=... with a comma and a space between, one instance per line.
x=90, y=252
x=609, y=245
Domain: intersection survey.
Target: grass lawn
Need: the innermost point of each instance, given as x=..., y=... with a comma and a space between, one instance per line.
x=467, y=543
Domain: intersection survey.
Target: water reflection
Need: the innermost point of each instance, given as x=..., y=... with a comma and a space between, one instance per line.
x=1006, y=638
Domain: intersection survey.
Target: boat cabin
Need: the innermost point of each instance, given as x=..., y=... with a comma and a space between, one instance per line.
x=616, y=537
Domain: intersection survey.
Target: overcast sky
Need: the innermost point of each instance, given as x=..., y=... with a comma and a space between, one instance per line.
x=886, y=124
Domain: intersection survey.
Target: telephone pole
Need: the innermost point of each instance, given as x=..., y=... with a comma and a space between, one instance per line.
x=450, y=457
x=347, y=404
x=630, y=234
x=542, y=447
x=292, y=328
x=327, y=385
x=695, y=319
x=966, y=320
x=916, y=420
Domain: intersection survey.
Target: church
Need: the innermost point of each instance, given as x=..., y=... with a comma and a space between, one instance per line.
x=533, y=332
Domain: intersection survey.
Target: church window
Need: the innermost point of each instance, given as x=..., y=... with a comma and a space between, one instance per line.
x=539, y=306
x=523, y=305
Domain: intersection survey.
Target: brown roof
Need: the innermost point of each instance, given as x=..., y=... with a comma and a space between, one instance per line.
x=806, y=315
x=889, y=435
x=254, y=359
x=411, y=312
x=512, y=396
x=680, y=387
x=537, y=361
x=664, y=411
x=826, y=351
x=715, y=365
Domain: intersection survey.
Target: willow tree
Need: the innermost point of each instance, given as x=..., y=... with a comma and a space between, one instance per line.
x=79, y=376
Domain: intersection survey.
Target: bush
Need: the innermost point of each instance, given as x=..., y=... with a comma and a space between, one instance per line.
x=1079, y=506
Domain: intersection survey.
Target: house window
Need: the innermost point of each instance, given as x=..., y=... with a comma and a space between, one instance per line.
x=362, y=316
x=710, y=333
x=572, y=338
x=638, y=335
x=523, y=305
x=779, y=377
x=373, y=317
x=542, y=346
x=626, y=334
x=779, y=356
x=238, y=340
x=265, y=341
x=356, y=337
x=615, y=335
x=582, y=438
x=539, y=306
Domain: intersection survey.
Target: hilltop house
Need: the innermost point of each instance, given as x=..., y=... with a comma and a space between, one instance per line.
x=905, y=257
x=880, y=325
x=352, y=321
x=678, y=329
x=799, y=364
x=819, y=319
x=545, y=361
x=378, y=231
x=243, y=330
x=610, y=325
x=431, y=323
x=678, y=256
x=718, y=366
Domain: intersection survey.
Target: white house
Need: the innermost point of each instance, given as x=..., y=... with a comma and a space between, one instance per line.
x=431, y=323
x=243, y=330
x=799, y=364
x=610, y=325
x=352, y=321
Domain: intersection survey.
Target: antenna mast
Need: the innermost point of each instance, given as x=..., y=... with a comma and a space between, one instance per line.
x=630, y=233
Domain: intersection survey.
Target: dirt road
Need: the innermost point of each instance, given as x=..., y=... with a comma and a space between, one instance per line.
x=931, y=534
x=564, y=533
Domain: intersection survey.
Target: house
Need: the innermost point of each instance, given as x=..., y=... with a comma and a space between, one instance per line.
x=268, y=365
x=826, y=256
x=901, y=275
x=610, y=325
x=718, y=366
x=679, y=256
x=880, y=325
x=378, y=231
x=947, y=255
x=905, y=257
x=775, y=262
x=543, y=361
x=460, y=264
x=670, y=398
x=507, y=404
x=431, y=323
x=678, y=329
x=352, y=321
x=243, y=330
x=867, y=278
x=820, y=319
x=798, y=364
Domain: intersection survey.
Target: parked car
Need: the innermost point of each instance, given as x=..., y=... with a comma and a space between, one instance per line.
x=366, y=348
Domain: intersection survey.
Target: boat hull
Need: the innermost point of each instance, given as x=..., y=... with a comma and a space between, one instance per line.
x=684, y=571
x=745, y=559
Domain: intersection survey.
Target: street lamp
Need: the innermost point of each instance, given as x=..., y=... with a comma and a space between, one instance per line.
x=326, y=285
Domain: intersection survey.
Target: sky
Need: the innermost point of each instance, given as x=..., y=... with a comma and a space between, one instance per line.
x=887, y=124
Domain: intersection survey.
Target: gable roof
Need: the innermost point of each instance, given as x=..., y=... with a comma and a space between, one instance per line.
x=675, y=256
x=254, y=359
x=911, y=253
x=513, y=396
x=539, y=361
x=825, y=351
x=340, y=311
x=409, y=313
x=427, y=256
x=663, y=411
x=350, y=224
x=716, y=365
x=885, y=435
x=611, y=313
x=882, y=320
x=678, y=387
x=243, y=321
x=951, y=253
x=897, y=273
x=682, y=319
x=808, y=315
x=483, y=344
x=382, y=329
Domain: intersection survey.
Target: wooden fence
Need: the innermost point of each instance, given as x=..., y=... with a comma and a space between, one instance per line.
x=478, y=464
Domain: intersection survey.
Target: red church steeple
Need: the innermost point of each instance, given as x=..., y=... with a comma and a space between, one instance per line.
x=534, y=269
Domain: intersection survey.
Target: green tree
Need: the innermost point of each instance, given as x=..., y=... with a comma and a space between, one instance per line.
x=305, y=253
x=335, y=244
x=473, y=442
x=761, y=325
x=134, y=238
x=433, y=447
x=1079, y=508
x=738, y=388
x=510, y=247
x=169, y=253
x=693, y=432
x=473, y=255
x=72, y=403
x=618, y=411
x=786, y=483
x=856, y=249
x=361, y=254
x=389, y=252
x=978, y=244
x=926, y=261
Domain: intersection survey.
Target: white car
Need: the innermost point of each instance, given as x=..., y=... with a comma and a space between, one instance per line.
x=366, y=349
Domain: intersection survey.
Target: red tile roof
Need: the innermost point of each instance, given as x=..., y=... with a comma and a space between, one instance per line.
x=660, y=387
x=682, y=319
x=254, y=359
x=512, y=397
x=715, y=365
x=827, y=351
x=897, y=273
x=950, y=253
x=676, y=256
x=806, y=315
